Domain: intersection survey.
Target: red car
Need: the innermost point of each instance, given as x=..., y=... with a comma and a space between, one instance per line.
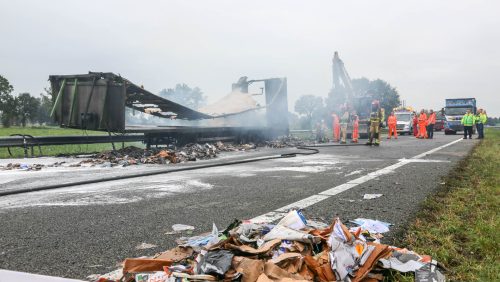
x=440, y=119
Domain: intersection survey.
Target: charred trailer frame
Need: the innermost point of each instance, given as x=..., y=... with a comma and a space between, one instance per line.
x=97, y=101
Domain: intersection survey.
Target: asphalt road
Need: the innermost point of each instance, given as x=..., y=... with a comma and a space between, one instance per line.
x=83, y=230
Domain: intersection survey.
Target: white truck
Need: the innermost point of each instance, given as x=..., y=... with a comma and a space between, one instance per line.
x=404, y=117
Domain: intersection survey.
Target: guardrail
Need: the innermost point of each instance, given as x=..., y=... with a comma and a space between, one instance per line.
x=28, y=142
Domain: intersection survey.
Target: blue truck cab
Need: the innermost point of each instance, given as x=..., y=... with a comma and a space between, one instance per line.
x=454, y=110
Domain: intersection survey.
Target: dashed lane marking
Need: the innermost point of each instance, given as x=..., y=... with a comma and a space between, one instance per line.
x=311, y=200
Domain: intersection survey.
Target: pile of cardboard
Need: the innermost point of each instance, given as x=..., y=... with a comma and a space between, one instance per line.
x=295, y=249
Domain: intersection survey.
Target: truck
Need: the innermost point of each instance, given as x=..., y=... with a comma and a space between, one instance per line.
x=454, y=110
x=404, y=116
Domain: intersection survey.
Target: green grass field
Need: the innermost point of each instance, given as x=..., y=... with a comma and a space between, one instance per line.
x=59, y=149
x=459, y=226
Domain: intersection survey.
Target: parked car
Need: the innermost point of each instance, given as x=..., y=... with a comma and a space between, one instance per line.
x=440, y=120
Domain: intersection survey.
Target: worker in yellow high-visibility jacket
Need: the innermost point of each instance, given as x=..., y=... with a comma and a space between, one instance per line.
x=468, y=120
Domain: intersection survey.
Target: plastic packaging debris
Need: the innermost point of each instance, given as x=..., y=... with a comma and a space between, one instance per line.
x=371, y=196
x=373, y=226
x=251, y=252
x=195, y=241
x=249, y=232
x=216, y=262
x=394, y=263
x=182, y=227
x=215, y=235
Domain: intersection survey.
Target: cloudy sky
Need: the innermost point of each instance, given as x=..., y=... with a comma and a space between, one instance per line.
x=428, y=50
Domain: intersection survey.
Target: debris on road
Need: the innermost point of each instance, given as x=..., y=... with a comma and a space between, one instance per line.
x=144, y=246
x=285, y=142
x=132, y=155
x=182, y=227
x=22, y=166
x=179, y=228
x=290, y=250
x=371, y=196
x=372, y=226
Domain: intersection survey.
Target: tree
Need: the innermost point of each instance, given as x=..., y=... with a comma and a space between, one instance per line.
x=184, y=95
x=308, y=105
x=493, y=121
x=27, y=108
x=7, y=102
x=45, y=100
x=379, y=90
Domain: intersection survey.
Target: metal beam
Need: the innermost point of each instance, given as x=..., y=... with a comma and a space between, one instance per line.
x=73, y=101
x=58, y=98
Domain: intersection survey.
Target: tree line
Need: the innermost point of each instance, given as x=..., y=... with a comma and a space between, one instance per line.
x=23, y=108
x=312, y=109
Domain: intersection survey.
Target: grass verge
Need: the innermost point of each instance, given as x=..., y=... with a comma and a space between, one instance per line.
x=459, y=226
x=58, y=149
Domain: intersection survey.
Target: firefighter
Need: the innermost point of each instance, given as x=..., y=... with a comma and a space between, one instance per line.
x=344, y=120
x=422, y=124
x=376, y=118
x=319, y=133
x=355, y=128
x=392, y=122
x=336, y=128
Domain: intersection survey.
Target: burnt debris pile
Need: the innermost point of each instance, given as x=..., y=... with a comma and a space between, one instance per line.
x=167, y=155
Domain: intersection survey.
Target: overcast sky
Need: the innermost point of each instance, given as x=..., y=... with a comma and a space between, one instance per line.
x=428, y=50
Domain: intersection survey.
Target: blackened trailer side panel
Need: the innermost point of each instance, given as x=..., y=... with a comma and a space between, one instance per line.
x=95, y=105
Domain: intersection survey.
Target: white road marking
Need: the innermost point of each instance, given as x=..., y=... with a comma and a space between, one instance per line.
x=436, y=149
x=314, y=199
x=424, y=161
x=337, y=189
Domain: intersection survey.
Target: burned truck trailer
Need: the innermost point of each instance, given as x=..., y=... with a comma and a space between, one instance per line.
x=98, y=101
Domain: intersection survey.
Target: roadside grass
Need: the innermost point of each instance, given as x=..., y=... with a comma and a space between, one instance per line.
x=46, y=131
x=58, y=149
x=459, y=226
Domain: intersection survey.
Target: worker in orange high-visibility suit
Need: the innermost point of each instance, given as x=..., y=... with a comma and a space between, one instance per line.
x=336, y=128
x=422, y=124
x=431, y=122
x=355, y=129
x=392, y=122
x=415, y=124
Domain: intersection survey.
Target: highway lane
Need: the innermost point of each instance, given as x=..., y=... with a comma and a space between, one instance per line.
x=82, y=230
